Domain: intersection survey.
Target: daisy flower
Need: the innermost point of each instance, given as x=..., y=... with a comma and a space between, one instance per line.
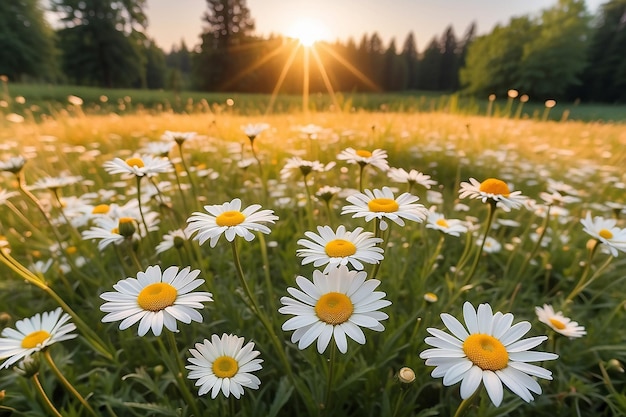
x=156, y=298
x=558, y=322
x=173, y=239
x=252, y=130
x=303, y=166
x=381, y=204
x=53, y=183
x=327, y=192
x=333, y=305
x=5, y=195
x=605, y=231
x=494, y=191
x=34, y=334
x=412, y=177
x=110, y=231
x=230, y=220
x=13, y=164
x=491, y=245
x=161, y=149
x=146, y=165
x=222, y=364
x=437, y=221
x=376, y=158
x=340, y=248
x=178, y=137
x=488, y=351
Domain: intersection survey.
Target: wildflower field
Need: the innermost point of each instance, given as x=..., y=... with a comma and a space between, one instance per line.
x=324, y=264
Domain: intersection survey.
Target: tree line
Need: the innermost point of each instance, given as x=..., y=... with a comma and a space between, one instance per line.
x=563, y=52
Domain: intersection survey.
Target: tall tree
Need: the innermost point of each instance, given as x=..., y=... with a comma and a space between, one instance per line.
x=493, y=61
x=103, y=41
x=605, y=80
x=430, y=66
x=223, y=50
x=555, y=58
x=26, y=41
x=411, y=58
x=448, y=69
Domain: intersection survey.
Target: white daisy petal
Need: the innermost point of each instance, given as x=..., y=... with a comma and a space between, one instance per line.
x=156, y=299
x=339, y=303
x=492, y=353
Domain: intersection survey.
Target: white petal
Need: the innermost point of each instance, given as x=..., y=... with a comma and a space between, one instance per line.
x=471, y=381
x=494, y=387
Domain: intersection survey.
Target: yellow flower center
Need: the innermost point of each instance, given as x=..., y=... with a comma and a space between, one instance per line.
x=557, y=324
x=364, y=154
x=225, y=367
x=135, y=162
x=100, y=209
x=386, y=205
x=230, y=218
x=495, y=186
x=115, y=230
x=486, y=352
x=157, y=296
x=71, y=250
x=34, y=339
x=442, y=223
x=606, y=234
x=340, y=248
x=334, y=308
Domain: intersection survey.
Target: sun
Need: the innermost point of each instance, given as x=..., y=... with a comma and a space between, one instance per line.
x=308, y=31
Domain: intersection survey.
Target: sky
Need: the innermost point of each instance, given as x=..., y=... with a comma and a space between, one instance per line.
x=170, y=21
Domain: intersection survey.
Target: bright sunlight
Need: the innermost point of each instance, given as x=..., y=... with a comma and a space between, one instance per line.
x=308, y=31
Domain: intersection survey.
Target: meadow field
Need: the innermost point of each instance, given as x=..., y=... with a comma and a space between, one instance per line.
x=475, y=264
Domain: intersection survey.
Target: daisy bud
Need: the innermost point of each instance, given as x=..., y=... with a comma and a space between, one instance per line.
x=615, y=366
x=179, y=242
x=5, y=319
x=406, y=375
x=126, y=227
x=29, y=366
x=431, y=297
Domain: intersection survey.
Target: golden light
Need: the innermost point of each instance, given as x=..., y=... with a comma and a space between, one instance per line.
x=308, y=31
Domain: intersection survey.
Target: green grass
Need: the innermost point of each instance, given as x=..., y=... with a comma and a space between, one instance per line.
x=140, y=377
x=49, y=99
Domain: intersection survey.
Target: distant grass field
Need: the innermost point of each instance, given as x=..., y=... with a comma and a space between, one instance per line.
x=48, y=99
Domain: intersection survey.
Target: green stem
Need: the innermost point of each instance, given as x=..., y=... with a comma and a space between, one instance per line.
x=262, y=177
x=309, y=204
x=465, y=404
x=584, y=282
x=191, y=182
x=178, y=374
x=361, y=170
x=143, y=219
x=66, y=383
x=180, y=189
x=49, y=406
x=532, y=254
x=266, y=267
x=331, y=375
x=492, y=211
x=259, y=313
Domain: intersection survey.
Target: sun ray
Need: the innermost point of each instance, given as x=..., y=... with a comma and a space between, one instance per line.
x=258, y=63
x=281, y=78
x=325, y=78
x=351, y=68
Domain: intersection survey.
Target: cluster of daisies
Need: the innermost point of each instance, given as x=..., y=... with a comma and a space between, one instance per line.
x=334, y=305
